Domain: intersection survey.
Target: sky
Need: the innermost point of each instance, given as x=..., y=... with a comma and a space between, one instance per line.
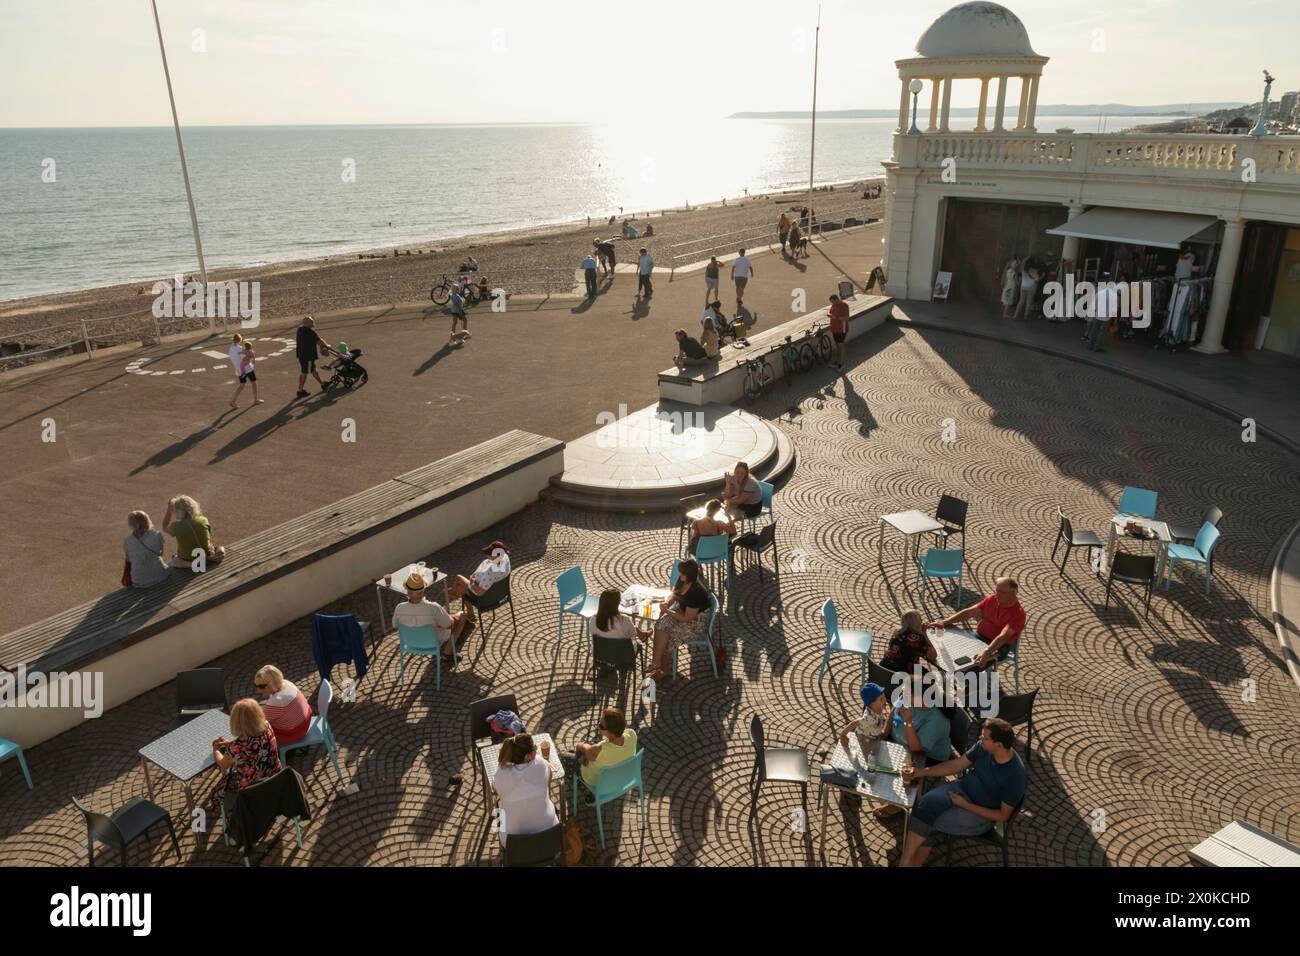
x=238, y=62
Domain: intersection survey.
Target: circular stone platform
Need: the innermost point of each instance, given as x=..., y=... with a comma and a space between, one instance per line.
x=646, y=460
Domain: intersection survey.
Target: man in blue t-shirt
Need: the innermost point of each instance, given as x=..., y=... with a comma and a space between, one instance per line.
x=988, y=794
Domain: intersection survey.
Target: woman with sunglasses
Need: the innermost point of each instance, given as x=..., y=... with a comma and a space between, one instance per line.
x=286, y=709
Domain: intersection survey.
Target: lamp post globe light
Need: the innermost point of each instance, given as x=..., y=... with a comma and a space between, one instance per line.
x=915, y=88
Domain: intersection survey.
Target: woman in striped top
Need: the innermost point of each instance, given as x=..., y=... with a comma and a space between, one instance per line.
x=285, y=706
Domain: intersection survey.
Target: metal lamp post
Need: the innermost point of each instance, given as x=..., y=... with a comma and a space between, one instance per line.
x=915, y=87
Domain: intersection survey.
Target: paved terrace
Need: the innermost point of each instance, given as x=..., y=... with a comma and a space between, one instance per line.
x=1148, y=721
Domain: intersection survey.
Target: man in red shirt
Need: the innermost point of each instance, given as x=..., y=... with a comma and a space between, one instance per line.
x=1002, y=618
x=839, y=329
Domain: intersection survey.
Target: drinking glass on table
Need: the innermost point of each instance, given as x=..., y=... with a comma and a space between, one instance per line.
x=546, y=750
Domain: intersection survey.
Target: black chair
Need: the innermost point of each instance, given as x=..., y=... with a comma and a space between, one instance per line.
x=998, y=835
x=495, y=596
x=127, y=824
x=757, y=543
x=776, y=764
x=480, y=729
x=535, y=849
x=880, y=675
x=199, y=691
x=1132, y=569
x=952, y=513
x=688, y=504
x=1072, y=539
x=1186, y=533
x=962, y=730
x=1017, y=709
x=613, y=653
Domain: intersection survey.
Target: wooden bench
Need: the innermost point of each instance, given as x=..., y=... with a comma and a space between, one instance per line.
x=723, y=380
x=141, y=638
x=1240, y=844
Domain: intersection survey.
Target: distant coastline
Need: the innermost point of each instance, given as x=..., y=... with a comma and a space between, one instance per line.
x=1053, y=109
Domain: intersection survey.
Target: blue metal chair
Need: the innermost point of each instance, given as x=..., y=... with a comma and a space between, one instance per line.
x=707, y=640
x=611, y=784
x=574, y=599
x=716, y=550
x=1202, y=553
x=767, y=489
x=941, y=563
x=8, y=748
x=1139, y=502
x=843, y=639
x=319, y=732
x=422, y=642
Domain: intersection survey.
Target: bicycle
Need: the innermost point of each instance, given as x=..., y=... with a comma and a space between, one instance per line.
x=758, y=377
x=823, y=348
x=792, y=360
x=440, y=294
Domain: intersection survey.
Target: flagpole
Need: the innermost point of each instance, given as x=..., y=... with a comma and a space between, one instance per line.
x=185, y=173
x=812, y=158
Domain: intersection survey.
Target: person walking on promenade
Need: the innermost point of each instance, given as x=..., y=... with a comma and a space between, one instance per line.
x=783, y=230
x=306, y=346
x=589, y=274
x=741, y=270
x=241, y=357
x=711, y=272
x=645, y=266
x=458, y=314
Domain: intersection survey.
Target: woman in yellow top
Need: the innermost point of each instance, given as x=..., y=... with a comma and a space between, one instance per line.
x=617, y=744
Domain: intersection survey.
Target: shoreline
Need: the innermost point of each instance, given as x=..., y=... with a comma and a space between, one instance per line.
x=45, y=302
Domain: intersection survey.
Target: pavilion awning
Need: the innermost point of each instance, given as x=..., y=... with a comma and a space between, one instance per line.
x=1143, y=227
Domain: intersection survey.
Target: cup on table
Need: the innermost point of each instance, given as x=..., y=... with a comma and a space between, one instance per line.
x=546, y=750
x=388, y=580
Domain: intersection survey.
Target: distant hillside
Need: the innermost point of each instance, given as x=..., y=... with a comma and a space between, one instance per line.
x=1051, y=109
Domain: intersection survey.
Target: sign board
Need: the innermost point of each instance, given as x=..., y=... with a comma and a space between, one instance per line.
x=942, y=285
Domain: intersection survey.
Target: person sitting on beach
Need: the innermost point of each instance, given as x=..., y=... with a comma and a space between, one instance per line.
x=489, y=571
x=909, y=645
x=145, y=566
x=649, y=231
x=741, y=495
x=629, y=231
x=523, y=788
x=469, y=265
x=709, y=525
x=192, y=532
x=415, y=611
x=610, y=621
x=689, y=351
x=285, y=706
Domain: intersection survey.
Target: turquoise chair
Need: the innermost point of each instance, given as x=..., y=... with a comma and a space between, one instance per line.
x=846, y=639
x=706, y=641
x=611, y=784
x=422, y=642
x=713, y=550
x=941, y=563
x=8, y=748
x=319, y=732
x=1202, y=553
x=1139, y=502
x=574, y=599
x=1013, y=656
x=767, y=489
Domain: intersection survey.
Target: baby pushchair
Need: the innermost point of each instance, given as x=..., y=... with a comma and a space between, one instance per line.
x=347, y=372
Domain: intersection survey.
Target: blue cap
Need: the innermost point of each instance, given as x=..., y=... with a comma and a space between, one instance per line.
x=870, y=692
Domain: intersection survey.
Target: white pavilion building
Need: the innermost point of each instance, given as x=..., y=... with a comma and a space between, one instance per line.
x=1096, y=203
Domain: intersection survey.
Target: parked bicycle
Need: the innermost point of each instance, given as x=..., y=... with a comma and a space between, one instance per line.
x=821, y=343
x=441, y=292
x=758, y=377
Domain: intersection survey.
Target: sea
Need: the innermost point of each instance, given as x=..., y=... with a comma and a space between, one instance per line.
x=81, y=208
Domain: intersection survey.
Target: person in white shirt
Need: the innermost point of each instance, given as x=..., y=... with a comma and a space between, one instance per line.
x=415, y=611
x=645, y=266
x=714, y=314
x=610, y=621
x=490, y=570
x=245, y=375
x=741, y=271
x=523, y=789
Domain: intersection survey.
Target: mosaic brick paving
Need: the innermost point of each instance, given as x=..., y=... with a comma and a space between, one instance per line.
x=1150, y=734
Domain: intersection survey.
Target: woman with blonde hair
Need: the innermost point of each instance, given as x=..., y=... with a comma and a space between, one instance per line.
x=252, y=756
x=145, y=566
x=285, y=706
x=191, y=531
x=909, y=645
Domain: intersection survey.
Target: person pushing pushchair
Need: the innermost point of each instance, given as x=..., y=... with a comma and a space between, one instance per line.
x=347, y=371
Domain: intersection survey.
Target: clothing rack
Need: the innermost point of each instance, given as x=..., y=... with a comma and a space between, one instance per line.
x=1189, y=300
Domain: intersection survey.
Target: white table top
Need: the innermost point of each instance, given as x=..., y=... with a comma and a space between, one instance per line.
x=911, y=522
x=432, y=576
x=953, y=643
x=187, y=751
x=633, y=600
x=491, y=752
x=1159, y=527
x=886, y=787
